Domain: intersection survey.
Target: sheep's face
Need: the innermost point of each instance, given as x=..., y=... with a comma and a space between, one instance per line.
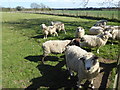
x=52, y=23
x=107, y=35
x=104, y=23
x=89, y=62
x=43, y=26
x=109, y=29
x=79, y=29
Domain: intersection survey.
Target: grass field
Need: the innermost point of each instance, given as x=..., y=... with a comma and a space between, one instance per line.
x=21, y=51
x=112, y=14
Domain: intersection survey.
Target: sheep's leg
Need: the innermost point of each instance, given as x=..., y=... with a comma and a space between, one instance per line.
x=79, y=82
x=43, y=59
x=91, y=83
x=56, y=33
x=80, y=77
x=71, y=73
x=45, y=36
x=112, y=42
x=64, y=31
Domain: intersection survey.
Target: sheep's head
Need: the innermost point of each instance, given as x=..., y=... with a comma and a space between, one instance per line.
x=75, y=41
x=108, y=29
x=106, y=35
x=89, y=60
x=52, y=23
x=79, y=29
x=43, y=26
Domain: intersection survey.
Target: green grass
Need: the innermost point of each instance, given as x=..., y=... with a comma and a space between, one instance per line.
x=21, y=51
x=112, y=14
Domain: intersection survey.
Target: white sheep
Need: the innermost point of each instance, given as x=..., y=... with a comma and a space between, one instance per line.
x=101, y=23
x=48, y=30
x=115, y=31
x=59, y=25
x=56, y=46
x=56, y=22
x=95, y=30
x=79, y=32
x=84, y=63
x=93, y=41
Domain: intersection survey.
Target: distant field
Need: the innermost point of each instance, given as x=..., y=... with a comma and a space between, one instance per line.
x=22, y=39
x=93, y=13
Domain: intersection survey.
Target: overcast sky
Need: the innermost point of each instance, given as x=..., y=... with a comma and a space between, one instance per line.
x=53, y=3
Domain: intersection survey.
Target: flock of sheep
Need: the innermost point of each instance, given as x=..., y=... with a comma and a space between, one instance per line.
x=77, y=59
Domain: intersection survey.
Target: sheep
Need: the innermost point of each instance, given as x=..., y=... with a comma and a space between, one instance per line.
x=97, y=41
x=56, y=22
x=79, y=32
x=84, y=63
x=95, y=30
x=48, y=30
x=57, y=46
x=59, y=25
x=115, y=31
x=98, y=28
x=101, y=23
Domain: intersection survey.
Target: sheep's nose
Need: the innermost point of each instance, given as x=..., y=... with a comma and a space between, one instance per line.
x=88, y=68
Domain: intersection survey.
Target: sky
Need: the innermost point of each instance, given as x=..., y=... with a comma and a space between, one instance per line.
x=54, y=3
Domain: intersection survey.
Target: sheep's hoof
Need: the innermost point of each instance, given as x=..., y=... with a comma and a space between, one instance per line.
x=93, y=87
x=71, y=74
x=79, y=86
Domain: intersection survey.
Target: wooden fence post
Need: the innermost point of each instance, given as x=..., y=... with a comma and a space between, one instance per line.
x=116, y=85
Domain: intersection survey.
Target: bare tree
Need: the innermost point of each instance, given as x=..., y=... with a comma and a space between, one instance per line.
x=110, y=3
x=82, y=3
x=35, y=6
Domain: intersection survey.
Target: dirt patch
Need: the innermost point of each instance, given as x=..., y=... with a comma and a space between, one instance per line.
x=102, y=80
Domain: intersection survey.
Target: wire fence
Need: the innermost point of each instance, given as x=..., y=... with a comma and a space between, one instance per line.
x=95, y=13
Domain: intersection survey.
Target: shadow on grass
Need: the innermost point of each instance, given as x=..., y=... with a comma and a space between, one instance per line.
x=39, y=58
x=107, y=68
x=34, y=24
x=38, y=36
x=53, y=77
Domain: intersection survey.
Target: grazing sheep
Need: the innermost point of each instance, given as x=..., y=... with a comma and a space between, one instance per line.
x=48, y=30
x=84, y=63
x=56, y=22
x=115, y=31
x=59, y=26
x=79, y=32
x=101, y=23
x=92, y=41
x=95, y=30
x=57, y=46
